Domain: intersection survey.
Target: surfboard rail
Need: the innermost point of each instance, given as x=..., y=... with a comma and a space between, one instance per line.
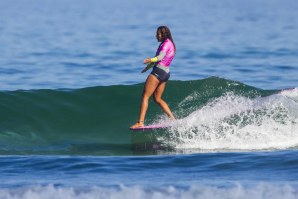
x=151, y=127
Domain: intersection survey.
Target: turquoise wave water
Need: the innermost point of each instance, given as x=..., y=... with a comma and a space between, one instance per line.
x=95, y=120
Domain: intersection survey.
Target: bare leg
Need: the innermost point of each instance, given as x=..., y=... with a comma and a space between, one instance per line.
x=150, y=86
x=157, y=97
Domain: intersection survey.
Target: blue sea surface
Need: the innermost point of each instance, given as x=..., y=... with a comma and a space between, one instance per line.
x=70, y=86
x=75, y=44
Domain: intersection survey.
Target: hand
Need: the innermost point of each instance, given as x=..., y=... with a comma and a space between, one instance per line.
x=146, y=61
x=144, y=70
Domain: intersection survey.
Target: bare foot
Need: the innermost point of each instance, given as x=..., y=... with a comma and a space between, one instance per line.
x=137, y=125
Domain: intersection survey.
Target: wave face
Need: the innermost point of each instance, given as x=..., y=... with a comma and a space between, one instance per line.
x=214, y=114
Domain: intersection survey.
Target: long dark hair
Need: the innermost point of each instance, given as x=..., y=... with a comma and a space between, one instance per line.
x=165, y=33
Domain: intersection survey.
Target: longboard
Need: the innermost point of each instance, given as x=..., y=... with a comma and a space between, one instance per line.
x=151, y=127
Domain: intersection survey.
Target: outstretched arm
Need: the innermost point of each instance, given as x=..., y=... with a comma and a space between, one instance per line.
x=153, y=60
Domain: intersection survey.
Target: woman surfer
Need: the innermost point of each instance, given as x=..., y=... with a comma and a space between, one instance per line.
x=156, y=81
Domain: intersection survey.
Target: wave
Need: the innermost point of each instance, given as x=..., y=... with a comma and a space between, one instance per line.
x=214, y=113
x=259, y=191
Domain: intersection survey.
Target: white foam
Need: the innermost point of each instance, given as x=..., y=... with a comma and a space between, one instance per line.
x=292, y=93
x=259, y=191
x=234, y=122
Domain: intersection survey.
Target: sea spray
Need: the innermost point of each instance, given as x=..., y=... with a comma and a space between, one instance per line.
x=233, y=122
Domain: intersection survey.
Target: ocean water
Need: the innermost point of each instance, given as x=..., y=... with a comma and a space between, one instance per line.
x=70, y=87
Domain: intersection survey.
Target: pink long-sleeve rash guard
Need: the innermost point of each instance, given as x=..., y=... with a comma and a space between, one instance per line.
x=167, y=48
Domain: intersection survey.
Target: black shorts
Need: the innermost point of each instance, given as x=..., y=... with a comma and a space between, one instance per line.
x=160, y=74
